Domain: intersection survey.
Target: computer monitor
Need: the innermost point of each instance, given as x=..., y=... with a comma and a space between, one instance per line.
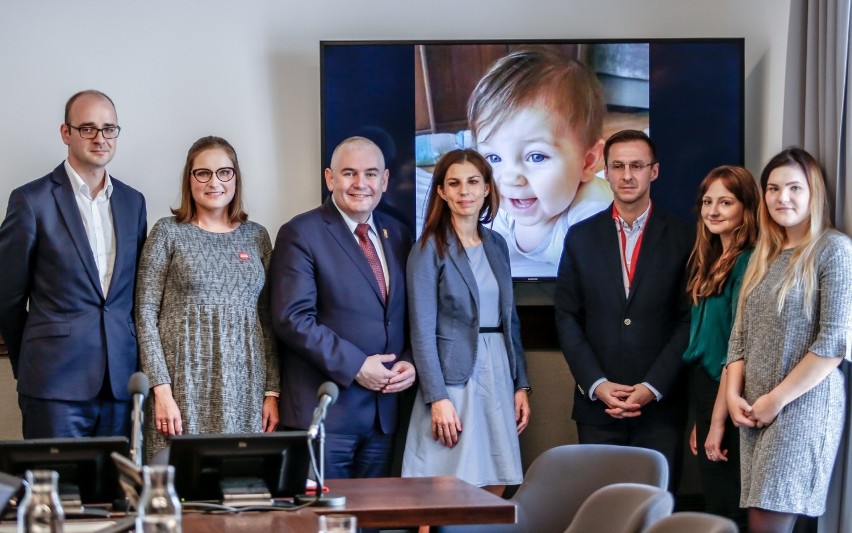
x=240, y=468
x=87, y=473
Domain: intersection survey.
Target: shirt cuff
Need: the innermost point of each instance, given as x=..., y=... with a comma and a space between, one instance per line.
x=652, y=389
x=593, y=387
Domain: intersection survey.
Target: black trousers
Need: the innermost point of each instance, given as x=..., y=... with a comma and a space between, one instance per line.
x=720, y=480
x=666, y=438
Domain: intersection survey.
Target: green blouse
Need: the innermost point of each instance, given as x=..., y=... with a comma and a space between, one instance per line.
x=712, y=320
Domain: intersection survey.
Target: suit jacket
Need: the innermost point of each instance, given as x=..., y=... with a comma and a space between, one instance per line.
x=62, y=333
x=443, y=300
x=625, y=339
x=329, y=316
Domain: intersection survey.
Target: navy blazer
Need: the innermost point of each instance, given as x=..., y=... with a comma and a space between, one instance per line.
x=329, y=316
x=443, y=300
x=627, y=340
x=63, y=344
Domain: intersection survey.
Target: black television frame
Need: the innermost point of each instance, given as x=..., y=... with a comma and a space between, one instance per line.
x=280, y=459
x=86, y=460
x=674, y=123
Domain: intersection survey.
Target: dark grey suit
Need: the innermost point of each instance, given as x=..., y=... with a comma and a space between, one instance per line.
x=626, y=339
x=443, y=301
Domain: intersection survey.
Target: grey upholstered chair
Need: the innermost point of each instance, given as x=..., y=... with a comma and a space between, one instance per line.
x=622, y=508
x=692, y=523
x=560, y=479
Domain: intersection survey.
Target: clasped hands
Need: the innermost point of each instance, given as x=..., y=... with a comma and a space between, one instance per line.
x=760, y=414
x=374, y=376
x=624, y=401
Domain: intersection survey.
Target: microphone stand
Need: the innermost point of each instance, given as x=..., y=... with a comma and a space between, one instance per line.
x=321, y=499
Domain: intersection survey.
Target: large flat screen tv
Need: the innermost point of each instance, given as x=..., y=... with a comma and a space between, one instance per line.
x=413, y=100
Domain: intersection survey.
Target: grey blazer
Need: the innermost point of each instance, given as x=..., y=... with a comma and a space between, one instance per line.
x=443, y=304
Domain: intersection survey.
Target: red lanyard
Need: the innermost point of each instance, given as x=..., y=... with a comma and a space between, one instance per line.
x=629, y=267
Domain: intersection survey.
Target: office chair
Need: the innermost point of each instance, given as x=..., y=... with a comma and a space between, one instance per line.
x=562, y=478
x=622, y=508
x=692, y=522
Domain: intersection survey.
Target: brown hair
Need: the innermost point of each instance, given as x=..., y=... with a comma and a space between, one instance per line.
x=87, y=92
x=539, y=76
x=438, y=218
x=709, y=265
x=187, y=210
x=625, y=136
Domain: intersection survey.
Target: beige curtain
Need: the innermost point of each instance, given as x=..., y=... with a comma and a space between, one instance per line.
x=818, y=92
x=818, y=117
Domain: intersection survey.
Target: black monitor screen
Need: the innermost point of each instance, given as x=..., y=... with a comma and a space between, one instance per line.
x=84, y=465
x=204, y=463
x=413, y=99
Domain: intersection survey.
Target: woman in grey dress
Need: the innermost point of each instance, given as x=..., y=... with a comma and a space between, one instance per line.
x=472, y=400
x=202, y=308
x=792, y=330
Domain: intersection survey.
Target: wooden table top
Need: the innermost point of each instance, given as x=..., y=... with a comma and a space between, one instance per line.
x=378, y=503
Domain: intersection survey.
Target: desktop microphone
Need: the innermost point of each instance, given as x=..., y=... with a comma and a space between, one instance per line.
x=327, y=395
x=138, y=388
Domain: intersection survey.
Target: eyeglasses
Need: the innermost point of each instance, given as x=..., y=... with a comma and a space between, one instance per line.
x=203, y=175
x=90, y=132
x=617, y=167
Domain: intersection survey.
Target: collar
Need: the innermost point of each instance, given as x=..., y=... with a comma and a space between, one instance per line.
x=78, y=185
x=351, y=224
x=639, y=223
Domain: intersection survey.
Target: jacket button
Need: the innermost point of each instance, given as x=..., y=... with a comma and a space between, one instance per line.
x=626, y=321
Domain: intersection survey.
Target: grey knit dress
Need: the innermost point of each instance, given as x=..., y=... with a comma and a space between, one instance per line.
x=786, y=466
x=202, y=320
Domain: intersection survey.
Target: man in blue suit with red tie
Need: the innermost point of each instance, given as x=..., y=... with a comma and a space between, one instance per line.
x=70, y=242
x=338, y=307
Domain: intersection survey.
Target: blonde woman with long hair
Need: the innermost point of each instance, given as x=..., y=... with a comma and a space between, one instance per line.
x=793, y=329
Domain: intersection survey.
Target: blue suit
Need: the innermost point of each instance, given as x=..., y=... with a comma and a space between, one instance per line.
x=329, y=316
x=66, y=340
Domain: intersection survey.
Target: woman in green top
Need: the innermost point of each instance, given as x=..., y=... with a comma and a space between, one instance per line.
x=727, y=230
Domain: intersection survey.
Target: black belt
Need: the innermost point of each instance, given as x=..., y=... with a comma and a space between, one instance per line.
x=492, y=329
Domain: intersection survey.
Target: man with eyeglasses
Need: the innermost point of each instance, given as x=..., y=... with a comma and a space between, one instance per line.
x=70, y=243
x=622, y=313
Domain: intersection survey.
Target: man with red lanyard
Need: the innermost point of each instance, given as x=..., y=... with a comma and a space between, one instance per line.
x=622, y=312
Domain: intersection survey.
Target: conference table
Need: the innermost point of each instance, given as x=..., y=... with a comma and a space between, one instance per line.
x=378, y=503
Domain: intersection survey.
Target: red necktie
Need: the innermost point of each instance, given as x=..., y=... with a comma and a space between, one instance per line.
x=372, y=257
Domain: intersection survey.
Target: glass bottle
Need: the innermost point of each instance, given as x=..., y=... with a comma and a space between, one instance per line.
x=159, y=506
x=40, y=511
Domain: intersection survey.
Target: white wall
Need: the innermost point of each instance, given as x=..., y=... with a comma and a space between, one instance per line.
x=249, y=71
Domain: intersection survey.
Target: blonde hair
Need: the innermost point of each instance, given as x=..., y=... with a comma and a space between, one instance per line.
x=770, y=242
x=539, y=76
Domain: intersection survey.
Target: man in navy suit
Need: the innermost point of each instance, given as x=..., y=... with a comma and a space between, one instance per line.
x=69, y=243
x=622, y=311
x=338, y=307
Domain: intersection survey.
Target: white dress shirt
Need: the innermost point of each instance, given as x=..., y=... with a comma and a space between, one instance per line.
x=374, y=238
x=97, y=219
